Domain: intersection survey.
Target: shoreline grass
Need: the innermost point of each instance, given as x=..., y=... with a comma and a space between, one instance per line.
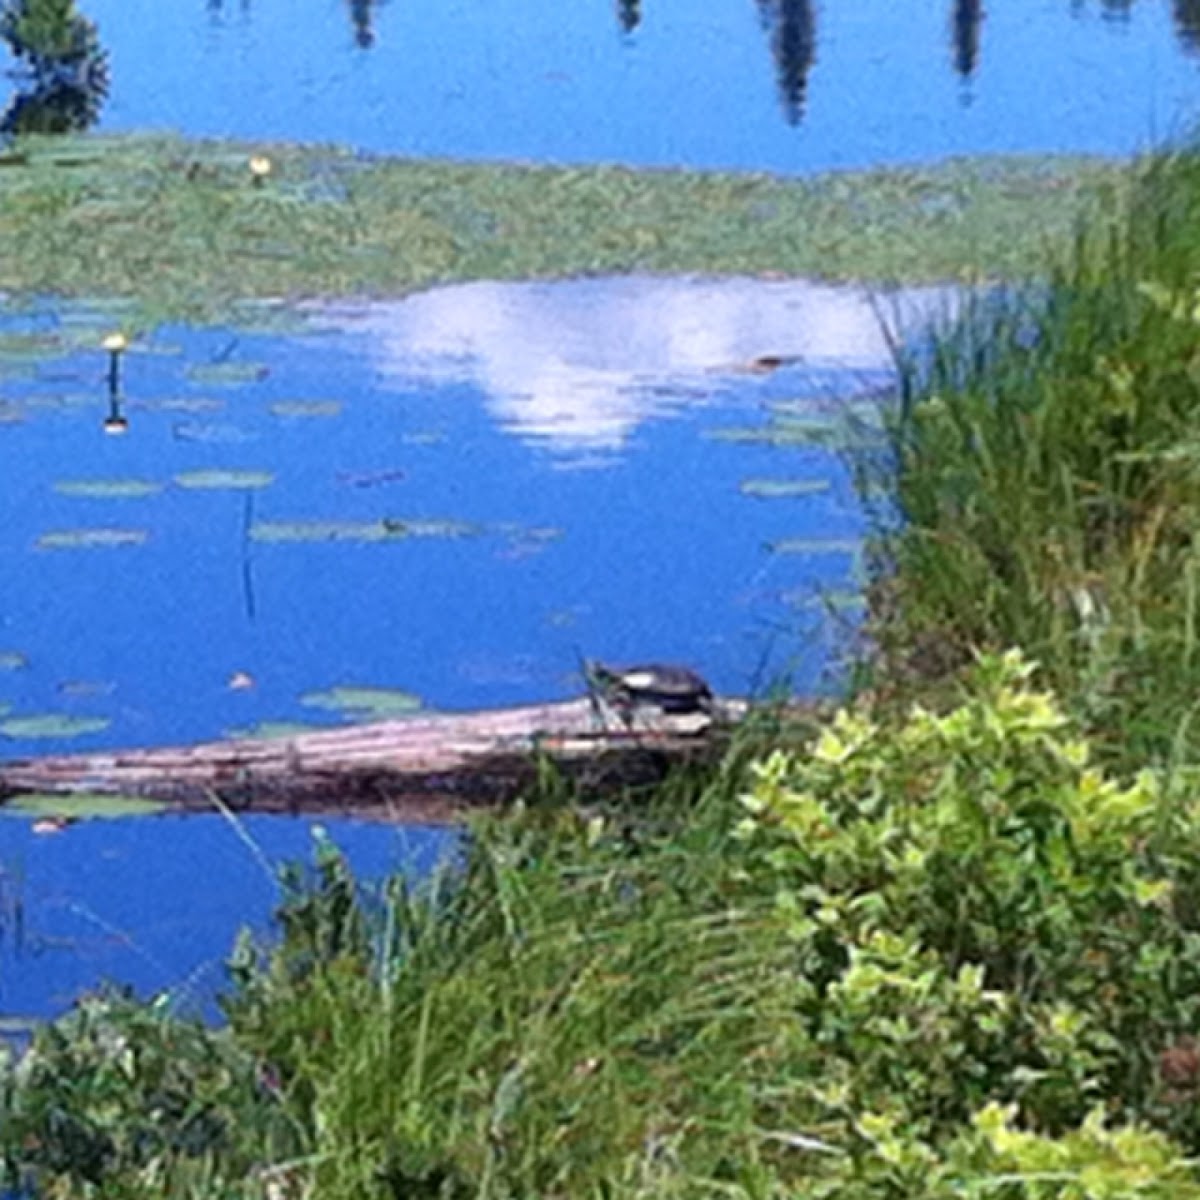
x=188, y=228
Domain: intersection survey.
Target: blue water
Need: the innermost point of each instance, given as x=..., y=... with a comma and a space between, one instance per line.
x=155, y=903
x=780, y=85
x=572, y=493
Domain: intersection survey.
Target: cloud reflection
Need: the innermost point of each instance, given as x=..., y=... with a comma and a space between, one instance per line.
x=575, y=366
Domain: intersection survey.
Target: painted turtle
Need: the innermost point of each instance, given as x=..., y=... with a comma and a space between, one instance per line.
x=666, y=686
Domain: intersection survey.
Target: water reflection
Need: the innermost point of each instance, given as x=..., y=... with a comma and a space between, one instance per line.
x=1187, y=24
x=575, y=367
x=379, y=502
x=964, y=35
x=794, y=46
x=61, y=73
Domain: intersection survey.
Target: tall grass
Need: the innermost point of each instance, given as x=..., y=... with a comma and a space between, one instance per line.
x=1045, y=464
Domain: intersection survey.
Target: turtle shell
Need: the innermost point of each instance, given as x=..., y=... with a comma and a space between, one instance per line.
x=671, y=687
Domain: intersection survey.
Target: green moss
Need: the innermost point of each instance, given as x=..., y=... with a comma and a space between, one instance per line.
x=181, y=227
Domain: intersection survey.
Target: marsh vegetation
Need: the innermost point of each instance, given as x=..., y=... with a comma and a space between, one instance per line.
x=942, y=942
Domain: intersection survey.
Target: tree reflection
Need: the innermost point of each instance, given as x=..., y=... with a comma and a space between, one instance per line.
x=362, y=16
x=1187, y=24
x=793, y=28
x=61, y=68
x=629, y=14
x=964, y=35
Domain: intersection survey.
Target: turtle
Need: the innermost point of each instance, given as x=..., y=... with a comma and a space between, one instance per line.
x=666, y=686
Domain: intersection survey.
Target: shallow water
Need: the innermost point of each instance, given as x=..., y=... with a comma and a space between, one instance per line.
x=155, y=903
x=445, y=500
x=781, y=85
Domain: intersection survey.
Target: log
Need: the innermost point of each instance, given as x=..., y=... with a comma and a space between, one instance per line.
x=428, y=769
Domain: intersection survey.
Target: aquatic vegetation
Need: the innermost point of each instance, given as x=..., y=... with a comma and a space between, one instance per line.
x=306, y=408
x=227, y=374
x=1041, y=464
x=108, y=489
x=89, y=539
x=324, y=531
x=174, y=224
x=783, y=489
x=78, y=806
x=13, y=660
x=52, y=725
x=216, y=479
x=364, y=703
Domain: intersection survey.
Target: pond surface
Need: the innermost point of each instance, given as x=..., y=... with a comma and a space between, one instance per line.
x=442, y=501
x=780, y=85
x=155, y=903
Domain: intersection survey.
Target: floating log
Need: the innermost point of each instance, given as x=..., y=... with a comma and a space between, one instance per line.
x=430, y=768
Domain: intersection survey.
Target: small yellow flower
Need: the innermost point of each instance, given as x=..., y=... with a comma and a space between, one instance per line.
x=115, y=343
x=260, y=167
x=115, y=425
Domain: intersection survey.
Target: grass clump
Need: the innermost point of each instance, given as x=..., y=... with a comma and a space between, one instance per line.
x=919, y=954
x=1043, y=465
x=187, y=228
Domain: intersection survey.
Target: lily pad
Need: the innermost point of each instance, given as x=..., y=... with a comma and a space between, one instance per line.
x=86, y=539
x=219, y=480
x=52, y=725
x=324, y=531
x=211, y=433
x=107, y=489
x=228, y=374
x=13, y=660
x=272, y=730
x=307, y=408
x=80, y=806
x=430, y=528
x=815, y=546
x=364, y=701
x=771, y=489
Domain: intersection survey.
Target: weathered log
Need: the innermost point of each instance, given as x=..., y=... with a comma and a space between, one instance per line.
x=428, y=768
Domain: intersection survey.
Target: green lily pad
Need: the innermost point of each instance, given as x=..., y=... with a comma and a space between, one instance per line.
x=771, y=489
x=324, y=531
x=306, y=408
x=430, y=528
x=272, y=730
x=86, y=539
x=227, y=373
x=213, y=433
x=52, y=725
x=219, y=480
x=364, y=701
x=420, y=438
x=13, y=660
x=107, y=489
x=815, y=546
x=80, y=806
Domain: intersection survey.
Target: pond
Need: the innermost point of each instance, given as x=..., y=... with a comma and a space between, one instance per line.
x=351, y=512
x=444, y=502
x=781, y=85
x=155, y=903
